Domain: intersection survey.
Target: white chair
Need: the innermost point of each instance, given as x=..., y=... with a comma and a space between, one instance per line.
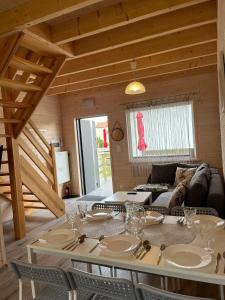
x=90, y=286
x=55, y=281
x=146, y=292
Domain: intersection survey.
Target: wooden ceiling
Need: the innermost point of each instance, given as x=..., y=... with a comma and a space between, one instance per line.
x=101, y=37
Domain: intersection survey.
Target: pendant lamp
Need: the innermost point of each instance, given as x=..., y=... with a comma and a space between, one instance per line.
x=135, y=87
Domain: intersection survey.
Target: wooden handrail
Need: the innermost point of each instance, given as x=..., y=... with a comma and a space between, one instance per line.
x=38, y=147
x=36, y=130
x=36, y=160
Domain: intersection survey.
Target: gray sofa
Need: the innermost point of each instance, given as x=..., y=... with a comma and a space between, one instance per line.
x=206, y=187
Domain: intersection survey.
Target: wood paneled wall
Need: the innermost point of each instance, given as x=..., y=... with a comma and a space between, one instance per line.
x=221, y=47
x=108, y=101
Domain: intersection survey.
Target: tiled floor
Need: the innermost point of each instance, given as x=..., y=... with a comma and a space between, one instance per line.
x=105, y=189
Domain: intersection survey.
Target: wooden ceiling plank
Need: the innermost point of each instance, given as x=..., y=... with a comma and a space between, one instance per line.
x=185, y=18
x=33, y=12
x=142, y=63
x=178, y=40
x=113, y=16
x=141, y=74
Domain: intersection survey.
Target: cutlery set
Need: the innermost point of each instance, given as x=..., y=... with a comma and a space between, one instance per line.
x=142, y=249
x=181, y=221
x=73, y=245
x=218, y=259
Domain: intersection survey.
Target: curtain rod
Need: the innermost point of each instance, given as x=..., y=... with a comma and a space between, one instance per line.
x=169, y=99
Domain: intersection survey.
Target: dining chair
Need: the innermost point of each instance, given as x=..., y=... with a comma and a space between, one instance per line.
x=146, y=292
x=179, y=211
x=114, y=206
x=55, y=281
x=161, y=209
x=105, y=288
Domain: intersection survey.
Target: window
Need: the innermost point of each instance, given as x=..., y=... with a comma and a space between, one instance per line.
x=163, y=132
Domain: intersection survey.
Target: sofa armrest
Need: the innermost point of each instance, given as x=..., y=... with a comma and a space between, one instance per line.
x=216, y=197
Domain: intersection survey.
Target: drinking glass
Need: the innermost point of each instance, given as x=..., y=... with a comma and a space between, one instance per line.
x=189, y=213
x=73, y=218
x=82, y=208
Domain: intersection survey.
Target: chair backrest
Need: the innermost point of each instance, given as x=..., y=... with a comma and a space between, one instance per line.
x=114, y=206
x=111, y=288
x=179, y=211
x=161, y=209
x=145, y=292
x=48, y=275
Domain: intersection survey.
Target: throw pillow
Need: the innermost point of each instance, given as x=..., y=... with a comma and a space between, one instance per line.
x=198, y=190
x=178, y=195
x=164, y=173
x=184, y=174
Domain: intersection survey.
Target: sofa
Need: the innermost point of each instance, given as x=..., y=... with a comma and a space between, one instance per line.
x=205, y=188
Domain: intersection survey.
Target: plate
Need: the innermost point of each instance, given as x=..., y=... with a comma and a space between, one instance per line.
x=186, y=256
x=152, y=217
x=99, y=214
x=207, y=219
x=120, y=244
x=59, y=236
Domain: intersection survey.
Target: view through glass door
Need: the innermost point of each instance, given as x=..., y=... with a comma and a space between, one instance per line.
x=95, y=159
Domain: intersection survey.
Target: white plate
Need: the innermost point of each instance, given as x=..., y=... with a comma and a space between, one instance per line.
x=119, y=245
x=186, y=256
x=99, y=214
x=59, y=236
x=152, y=217
x=207, y=219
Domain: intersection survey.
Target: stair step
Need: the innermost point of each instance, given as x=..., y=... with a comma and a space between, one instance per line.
x=4, y=120
x=31, y=200
x=35, y=207
x=2, y=135
x=4, y=184
x=14, y=104
x=4, y=174
x=4, y=162
x=16, y=85
x=28, y=66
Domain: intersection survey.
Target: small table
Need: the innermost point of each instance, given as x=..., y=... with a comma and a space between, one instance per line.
x=136, y=197
x=156, y=189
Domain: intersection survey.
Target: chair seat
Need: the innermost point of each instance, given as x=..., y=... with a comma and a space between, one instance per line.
x=52, y=293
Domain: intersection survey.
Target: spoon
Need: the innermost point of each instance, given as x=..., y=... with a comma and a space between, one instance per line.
x=96, y=245
x=162, y=247
x=144, y=244
x=147, y=249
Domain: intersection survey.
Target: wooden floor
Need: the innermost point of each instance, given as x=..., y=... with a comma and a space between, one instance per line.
x=40, y=222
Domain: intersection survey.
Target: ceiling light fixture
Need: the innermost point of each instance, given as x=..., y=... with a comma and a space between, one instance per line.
x=135, y=87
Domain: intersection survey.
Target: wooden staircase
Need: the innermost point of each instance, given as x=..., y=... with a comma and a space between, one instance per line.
x=27, y=69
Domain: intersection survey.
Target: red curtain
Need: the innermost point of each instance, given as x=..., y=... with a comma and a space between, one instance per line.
x=142, y=146
x=105, y=138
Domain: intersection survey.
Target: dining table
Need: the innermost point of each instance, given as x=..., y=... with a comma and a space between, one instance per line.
x=168, y=232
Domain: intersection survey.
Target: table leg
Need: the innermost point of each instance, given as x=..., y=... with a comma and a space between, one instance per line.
x=221, y=292
x=32, y=258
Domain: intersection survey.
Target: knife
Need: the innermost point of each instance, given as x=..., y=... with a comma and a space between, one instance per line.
x=162, y=247
x=218, y=258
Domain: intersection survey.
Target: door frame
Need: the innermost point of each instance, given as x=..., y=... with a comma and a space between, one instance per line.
x=80, y=152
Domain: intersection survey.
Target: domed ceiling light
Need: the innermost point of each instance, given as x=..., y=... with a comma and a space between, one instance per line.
x=135, y=87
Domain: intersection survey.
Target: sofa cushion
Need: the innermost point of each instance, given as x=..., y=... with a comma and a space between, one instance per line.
x=163, y=199
x=198, y=190
x=164, y=173
x=178, y=195
x=204, y=168
x=184, y=174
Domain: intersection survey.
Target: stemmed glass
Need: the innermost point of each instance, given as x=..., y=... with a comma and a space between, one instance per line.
x=72, y=218
x=82, y=208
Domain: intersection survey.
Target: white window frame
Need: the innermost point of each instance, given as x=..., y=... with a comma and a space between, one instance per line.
x=167, y=158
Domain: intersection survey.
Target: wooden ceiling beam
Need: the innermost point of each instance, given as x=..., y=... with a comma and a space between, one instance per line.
x=142, y=63
x=140, y=74
x=178, y=40
x=114, y=16
x=33, y=12
x=182, y=19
